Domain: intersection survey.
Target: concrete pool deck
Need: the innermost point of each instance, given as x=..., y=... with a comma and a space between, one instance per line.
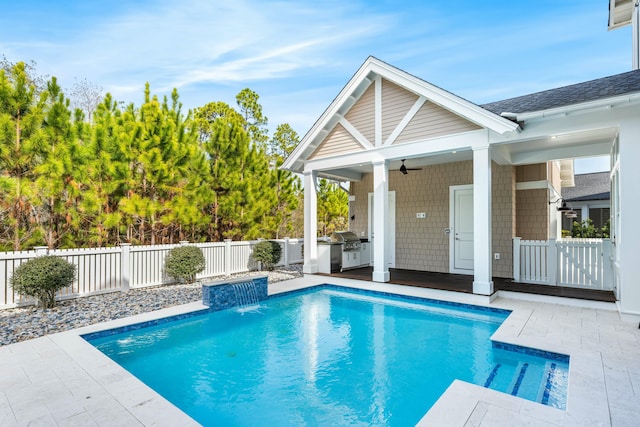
x=61, y=380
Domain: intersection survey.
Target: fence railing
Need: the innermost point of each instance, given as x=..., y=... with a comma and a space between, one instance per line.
x=101, y=270
x=582, y=263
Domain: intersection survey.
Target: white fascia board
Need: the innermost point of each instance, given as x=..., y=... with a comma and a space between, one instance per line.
x=542, y=184
x=333, y=109
x=445, y=99
x=432, y=146
x=546, y=127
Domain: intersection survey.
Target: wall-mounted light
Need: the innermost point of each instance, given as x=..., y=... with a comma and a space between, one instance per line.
x=562, y=206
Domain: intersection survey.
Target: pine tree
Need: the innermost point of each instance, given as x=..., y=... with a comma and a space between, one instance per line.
x=333, y=207
x=284, y=182
x=254, y=121
x=55, y=179
x=22, y=142
x=157, y=147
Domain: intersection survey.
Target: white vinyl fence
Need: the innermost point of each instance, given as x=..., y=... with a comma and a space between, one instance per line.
x=120, y=268
x=581, y=263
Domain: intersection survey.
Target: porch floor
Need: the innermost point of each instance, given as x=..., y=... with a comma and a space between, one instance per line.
x=464, y=283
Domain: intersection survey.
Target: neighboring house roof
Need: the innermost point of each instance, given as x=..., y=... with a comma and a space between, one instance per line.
x=589, y=186
x=593, y=90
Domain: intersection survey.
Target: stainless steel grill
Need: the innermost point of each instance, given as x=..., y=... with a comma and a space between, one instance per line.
x=350, y=241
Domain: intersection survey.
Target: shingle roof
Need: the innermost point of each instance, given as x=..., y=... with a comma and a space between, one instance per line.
x=619, y=84
x=589, y=186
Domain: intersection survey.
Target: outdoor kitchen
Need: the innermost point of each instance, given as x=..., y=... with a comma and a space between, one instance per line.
x=343, y=250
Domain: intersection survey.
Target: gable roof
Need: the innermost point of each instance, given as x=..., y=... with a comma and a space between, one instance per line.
x=370, y=70
x=619, y=84
x=589, y=186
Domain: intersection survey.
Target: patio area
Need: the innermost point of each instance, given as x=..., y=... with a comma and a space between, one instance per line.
x=61, y=380
x=464, y=283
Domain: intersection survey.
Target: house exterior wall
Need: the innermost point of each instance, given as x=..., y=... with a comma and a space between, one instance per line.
x=431, y=121
x=532, y=210
x=362, y=114
x=397, y=103
x=554, y=176
x=421, y=244
x=338, y=141
x=532, y=204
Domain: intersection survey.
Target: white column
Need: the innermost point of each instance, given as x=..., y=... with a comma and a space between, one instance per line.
x=125, y=266
x=635, y=34
x=482, y=250
x=310, y=223
x=380, y=220
x=628, y=233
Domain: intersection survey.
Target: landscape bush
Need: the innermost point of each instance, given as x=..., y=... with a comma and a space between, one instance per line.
x=268, y=253
x=184, y=262
x=42, y=277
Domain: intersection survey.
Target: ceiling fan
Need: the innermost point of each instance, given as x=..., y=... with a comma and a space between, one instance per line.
x=405, y=170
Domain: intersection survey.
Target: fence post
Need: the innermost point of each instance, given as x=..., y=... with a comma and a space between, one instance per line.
x=125, y=267
x=285, y=252
x=516, y=259
x=227, y=257
x=607, y=267
x=41, y=250
x=552, y=262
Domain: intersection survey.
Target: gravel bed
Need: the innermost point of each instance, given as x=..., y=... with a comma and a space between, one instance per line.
x=19, y=324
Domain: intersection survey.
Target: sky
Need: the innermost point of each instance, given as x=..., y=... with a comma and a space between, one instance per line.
x=297, y=55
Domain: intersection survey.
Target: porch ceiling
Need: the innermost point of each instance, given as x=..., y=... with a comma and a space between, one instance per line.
x=355, y=172
x=589, y=143
x=521, y=152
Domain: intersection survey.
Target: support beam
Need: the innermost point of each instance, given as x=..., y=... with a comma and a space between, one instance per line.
x=627, y=234
x=482, y=256
x=310, y=223
x=380, y=221
x=635, y=34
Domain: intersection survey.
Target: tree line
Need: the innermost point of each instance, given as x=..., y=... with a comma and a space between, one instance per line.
x=148, y=174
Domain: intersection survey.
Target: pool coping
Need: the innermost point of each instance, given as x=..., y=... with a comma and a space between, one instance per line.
x=460, y=404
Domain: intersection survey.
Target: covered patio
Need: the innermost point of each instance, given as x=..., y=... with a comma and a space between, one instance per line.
x=463, y=283
x=439, y=184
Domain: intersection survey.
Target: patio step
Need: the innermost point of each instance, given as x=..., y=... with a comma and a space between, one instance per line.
x=522, y=380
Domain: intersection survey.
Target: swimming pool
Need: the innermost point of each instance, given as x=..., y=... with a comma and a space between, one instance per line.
x=329, y=356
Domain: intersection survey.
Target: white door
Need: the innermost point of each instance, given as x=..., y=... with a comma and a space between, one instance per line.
x=391, y=229
x=461, y=229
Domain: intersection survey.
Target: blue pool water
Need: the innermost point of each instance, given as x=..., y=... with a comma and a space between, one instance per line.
x=330, y=356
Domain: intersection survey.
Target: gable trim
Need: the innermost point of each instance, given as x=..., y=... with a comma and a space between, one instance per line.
x=378, y=111
x=346, y=124
x=371, y=71
x=405, y=120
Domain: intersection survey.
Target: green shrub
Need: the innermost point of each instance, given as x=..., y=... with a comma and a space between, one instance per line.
x=42, y=277
x=268, y=253
x=184, y=262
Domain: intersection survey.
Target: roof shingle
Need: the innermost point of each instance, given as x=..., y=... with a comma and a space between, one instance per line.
x=589, y=186
x=619, y=84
